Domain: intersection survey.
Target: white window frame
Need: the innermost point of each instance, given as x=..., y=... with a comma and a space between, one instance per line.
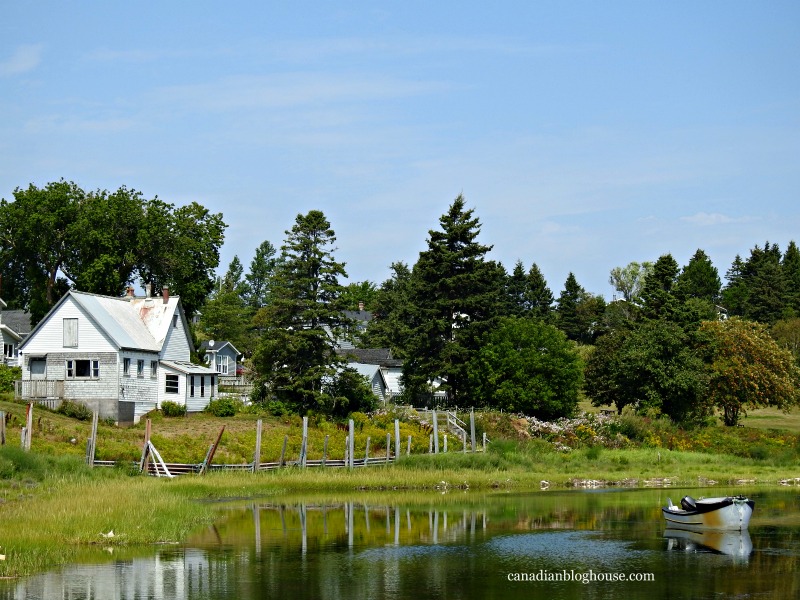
x=71, y=368
x=173, y=379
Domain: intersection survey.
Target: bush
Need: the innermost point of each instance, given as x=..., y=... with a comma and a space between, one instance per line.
x=75, y=410
x=222, y=407
x=173, y=409
x=8, y=375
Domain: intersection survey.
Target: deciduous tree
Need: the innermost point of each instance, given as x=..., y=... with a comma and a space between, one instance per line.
x=748, y=369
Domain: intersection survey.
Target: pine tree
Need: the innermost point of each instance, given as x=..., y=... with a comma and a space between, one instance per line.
x=791, y=276
x=538, y=296
x=453, y=297
x=699, y=279
x=296, y=354
x=567, y=318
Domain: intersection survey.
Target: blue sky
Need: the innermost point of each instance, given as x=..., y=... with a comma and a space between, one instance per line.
x=584, y=134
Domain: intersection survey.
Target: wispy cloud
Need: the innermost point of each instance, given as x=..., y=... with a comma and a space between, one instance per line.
x=704, y=219
x=24, y=58
x=291, y=90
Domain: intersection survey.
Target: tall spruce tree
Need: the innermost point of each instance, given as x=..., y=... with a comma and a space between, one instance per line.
x=791, y=277
x=538, y=296
x=391, y=315
x=453, y=297
x=567, y=316
x=296, y=358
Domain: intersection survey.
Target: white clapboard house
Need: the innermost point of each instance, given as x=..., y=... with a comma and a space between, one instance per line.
x=121, y=356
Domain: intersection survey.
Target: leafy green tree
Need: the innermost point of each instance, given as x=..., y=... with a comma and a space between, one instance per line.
x=628, y=280
x=525, y=365
x=295, y=358
x=749, y=369
x=653, y=366
x=453, y=298
x=361, y=293
x=262, y=271
x=225, y=316
x=59, y=237
x=786, y=333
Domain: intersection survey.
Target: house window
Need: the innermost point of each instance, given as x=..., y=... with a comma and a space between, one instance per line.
x=126, y=367
x=38, y=367
x=222, y=364
x=82, y=369
x=153, y=369
x=70, y=333
x=202, y=386
x=172, y=384
x=140, y=368
x=191, y=385
x=8, y=350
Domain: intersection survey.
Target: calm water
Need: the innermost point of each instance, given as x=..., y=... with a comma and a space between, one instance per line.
x=456, y=545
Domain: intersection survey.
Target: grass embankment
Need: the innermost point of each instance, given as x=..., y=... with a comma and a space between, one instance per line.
x=53, y=509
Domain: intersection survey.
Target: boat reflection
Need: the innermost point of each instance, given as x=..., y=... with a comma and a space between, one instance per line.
x=731, y=543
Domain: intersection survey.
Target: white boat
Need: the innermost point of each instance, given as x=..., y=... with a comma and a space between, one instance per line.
x=731, y=513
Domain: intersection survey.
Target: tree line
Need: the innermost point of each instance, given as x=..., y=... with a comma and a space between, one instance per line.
x=674, y=342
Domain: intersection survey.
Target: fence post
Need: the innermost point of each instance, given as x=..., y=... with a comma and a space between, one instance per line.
x=28, y=427
x=91, y=444
x=146, y=447
x=388, y=447
x=435, y=433
x=484, y=441
x=445, y=443
x=351, y=444
x=347, y=451
x=472, y=427
x=2, y=428
x=257, y=452
x=366, y=453
x=430, y=444
x=408, y=448
x=283, y=450
x=304, y=443
x=396, y=439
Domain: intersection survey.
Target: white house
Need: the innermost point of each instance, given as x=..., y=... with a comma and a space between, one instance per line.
x=120, y=356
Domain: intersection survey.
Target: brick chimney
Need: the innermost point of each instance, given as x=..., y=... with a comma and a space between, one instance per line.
x=165, y=294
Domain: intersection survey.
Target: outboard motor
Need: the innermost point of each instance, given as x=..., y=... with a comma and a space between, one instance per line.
x=688, y=503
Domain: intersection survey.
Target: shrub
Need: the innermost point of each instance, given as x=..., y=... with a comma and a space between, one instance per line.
x=222, y=407
x=75, y=410
x=8, y=375
x=173, y=409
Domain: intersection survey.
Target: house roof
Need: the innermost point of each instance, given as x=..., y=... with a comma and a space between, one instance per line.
x=218, y=346
x=188, y=368
x=140, y=323
x=368, y=371
x=370, y=356
x=18, y=320
x=358, y=315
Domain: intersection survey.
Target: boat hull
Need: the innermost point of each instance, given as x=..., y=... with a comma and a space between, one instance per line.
x=723, y=514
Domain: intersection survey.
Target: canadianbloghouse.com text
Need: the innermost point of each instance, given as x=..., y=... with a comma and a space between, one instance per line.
x=590, y=576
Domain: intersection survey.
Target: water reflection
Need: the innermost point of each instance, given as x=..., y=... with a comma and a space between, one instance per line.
x=462, y=547
x=732, y=543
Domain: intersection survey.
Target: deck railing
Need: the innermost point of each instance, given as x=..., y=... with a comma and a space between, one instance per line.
x=35, y=389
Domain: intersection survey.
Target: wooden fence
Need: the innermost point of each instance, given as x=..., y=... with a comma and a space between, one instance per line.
x=152, y=463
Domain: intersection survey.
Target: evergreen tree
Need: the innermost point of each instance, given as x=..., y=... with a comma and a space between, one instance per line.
x=517, y=292
x=391, y=317
x=259, y=279
x=538, y=296
x=296, y=357
x=453, y=296
x=225, y=316
x=658, y=297
x=699, y=279
x=791, y=276
x=567, y=304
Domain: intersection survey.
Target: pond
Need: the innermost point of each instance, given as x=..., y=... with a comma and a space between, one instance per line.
x=570, y=544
